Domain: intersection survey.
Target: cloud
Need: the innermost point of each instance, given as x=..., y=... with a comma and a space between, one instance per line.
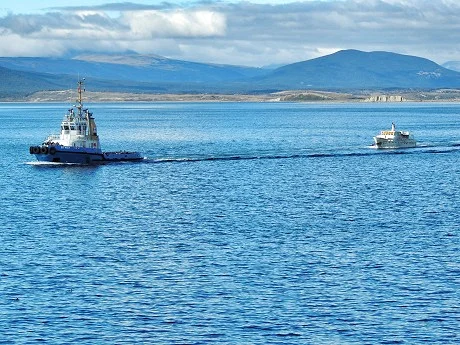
x=16, y=45
x=59, y=25
x=116, y=7
x=425, y=28
x=177, y=23
x=243, y=32
x=131, y=25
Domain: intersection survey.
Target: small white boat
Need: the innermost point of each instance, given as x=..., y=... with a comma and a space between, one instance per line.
x=393, y=139
x=78, y=141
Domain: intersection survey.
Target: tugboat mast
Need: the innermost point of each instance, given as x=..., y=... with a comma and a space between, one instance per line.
x=80, y=98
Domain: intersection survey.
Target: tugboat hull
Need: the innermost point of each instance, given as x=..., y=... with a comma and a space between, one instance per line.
x=71, y=155
x=122, y=156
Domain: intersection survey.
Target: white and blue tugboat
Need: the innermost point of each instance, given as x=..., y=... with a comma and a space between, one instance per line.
x=78, y=142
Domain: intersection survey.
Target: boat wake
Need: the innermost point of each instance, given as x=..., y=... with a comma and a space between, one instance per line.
x=313, y=155
x=38, y=163
x=365, y=151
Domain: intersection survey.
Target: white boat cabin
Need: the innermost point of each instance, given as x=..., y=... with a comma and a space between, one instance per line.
x=78, y=128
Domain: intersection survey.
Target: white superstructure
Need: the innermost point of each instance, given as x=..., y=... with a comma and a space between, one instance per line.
x=393, y=139
x=78, y=128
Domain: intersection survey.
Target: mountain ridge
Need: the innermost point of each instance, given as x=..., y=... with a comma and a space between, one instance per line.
x=344, y=70
x=130, y=67
x=354, y=69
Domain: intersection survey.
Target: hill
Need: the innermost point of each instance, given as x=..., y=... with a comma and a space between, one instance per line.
x=15, y=84
x=132, y=67
x=353, y=69
x=346, y=70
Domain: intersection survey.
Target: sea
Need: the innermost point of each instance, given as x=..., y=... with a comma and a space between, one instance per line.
x=246, y=223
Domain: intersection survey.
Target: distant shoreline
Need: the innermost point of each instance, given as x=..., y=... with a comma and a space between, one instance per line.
x=314, y=96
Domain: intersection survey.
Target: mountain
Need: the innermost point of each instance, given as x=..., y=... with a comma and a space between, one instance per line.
x=16, y=84
x=453, y=65
x=353, y=69
x=120, y=73
x=343, y=70
x=132, y=67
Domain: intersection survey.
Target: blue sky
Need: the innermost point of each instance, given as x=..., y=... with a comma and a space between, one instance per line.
x=250, y=32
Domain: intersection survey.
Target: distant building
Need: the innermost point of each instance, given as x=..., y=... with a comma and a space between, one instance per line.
x=385, y=98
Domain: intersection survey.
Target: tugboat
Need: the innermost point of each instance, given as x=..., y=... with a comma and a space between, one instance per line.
x=78, y=141
x=394, y=139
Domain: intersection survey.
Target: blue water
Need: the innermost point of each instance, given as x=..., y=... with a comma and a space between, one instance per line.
x=247, y=223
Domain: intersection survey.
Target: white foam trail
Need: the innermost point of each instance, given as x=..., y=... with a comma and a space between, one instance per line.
x=37, y=163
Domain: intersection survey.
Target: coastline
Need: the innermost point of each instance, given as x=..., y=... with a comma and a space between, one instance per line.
x=314, y=96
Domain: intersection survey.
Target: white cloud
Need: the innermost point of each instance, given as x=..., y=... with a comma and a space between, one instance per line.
x=16, y=45
x=241, y=33
x=177, y=23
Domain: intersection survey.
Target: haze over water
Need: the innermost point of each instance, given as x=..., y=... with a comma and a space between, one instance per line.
x=247, y=223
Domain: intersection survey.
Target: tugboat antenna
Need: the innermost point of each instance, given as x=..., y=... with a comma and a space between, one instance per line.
x=80, y=98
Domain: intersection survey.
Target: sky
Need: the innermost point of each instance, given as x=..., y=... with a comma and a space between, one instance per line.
x=250, y=32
